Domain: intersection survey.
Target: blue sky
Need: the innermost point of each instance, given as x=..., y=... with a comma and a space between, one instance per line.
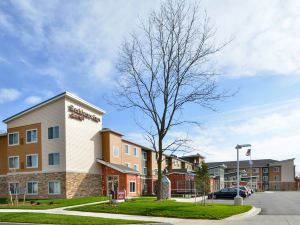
x=48, y=47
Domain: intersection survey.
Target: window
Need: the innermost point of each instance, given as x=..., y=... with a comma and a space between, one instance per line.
x=127, y=150
x=53, y=159
x=265, y=178
x=54, y=188
x=127, y=164
x=156, y=172
x=14, y=188
x=13, y=138
x=277, y=178
x=276, y=169
x=145, y=171
x=31, y=136
x=13, y=162
x=132, y=186
x=31, y=161
x=136, y=167
x=53, y=132
x=116, y=152
x=135, y=152
x=145, y=156
x=255, y=170
x=266, y=170
x=32, y=188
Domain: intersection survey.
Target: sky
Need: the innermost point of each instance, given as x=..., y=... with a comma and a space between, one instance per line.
x=48, y=47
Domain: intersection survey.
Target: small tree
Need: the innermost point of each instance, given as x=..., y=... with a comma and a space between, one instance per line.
x=202, y=180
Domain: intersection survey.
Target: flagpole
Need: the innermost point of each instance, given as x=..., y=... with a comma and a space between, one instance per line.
x=251, y=171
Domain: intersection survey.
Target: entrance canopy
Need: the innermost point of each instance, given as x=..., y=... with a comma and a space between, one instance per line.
x=118, y=167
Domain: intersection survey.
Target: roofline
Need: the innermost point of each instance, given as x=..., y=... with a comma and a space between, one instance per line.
x=63, y=94
x=115, y=168
x=195, y=155
x=110, y=130
x=3, y=134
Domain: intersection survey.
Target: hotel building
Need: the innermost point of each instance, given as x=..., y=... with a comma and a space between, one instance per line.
x=59, y=149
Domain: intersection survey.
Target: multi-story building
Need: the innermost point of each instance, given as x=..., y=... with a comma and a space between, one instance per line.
x=59, y=149
x=266, y=174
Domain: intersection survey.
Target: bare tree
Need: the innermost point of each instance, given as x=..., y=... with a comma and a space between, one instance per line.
x=164, y=68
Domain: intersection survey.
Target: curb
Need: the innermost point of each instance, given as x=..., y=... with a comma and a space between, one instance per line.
x=251, y=213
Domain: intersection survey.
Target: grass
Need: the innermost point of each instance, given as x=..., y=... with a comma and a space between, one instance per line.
x=167, y=208
x=43, y=218
x=50, y=203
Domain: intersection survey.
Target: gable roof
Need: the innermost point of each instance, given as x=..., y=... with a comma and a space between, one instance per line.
x=59, y=96
x=243, y=163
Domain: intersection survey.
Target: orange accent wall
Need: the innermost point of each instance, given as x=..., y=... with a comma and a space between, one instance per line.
x=3, y=155
x=23, y=149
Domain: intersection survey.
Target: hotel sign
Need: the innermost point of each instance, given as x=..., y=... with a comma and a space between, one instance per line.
x=79, y=114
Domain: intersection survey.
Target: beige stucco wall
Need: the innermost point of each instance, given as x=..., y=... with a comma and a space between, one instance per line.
x=287, y=170
x=52, y=114
x=83, y=141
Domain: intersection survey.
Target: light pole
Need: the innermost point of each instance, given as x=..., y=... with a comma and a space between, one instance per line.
x=238, y=200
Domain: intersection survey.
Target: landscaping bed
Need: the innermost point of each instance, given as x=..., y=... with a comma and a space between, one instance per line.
x=167, y=208
x=43, y=218
x=49, y=203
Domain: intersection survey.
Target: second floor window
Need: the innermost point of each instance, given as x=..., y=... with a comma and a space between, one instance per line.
x=136, y=167
x=265, y=178
x=53, y=132
x=53, y=159
x=127, y=150
x=266, y=170
x=13, y=138
x=276, y=169
x=116, y=152
x=13, y=162
x=135, y=152
x=32, y=161
x=31, y=136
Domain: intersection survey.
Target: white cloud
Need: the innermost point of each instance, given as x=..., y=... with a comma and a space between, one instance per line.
x=33, y=100
x=9, y=95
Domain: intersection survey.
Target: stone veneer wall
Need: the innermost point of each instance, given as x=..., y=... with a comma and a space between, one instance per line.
x=82, y=184
x=72, y=184
x=3, y=187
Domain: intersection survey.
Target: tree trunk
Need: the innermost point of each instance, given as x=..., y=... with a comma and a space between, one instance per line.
x=159, y=170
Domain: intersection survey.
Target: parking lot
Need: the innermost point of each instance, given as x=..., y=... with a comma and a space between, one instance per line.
x=272, y=203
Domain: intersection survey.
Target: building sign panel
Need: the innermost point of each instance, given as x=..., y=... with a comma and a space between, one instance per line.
x=80, y=114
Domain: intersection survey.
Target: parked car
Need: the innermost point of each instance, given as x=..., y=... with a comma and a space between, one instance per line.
x=226, y=193
x=247, y=190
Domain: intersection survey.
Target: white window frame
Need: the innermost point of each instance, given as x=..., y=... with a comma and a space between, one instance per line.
x=128, y=165
x=58, y=159
x=136, y=167
x=127, y=150
x=277, y=178
x=255, y=170
x=54, y=181
x=265, y=170
x=53, y=128
x=115, y=148
x=18, y=192
x=37, y=188
x=134, y=186
x=31, y=142
x=18, y=138
x=37, y=161
x=145, y=154
x=14, y=156
x=265, y=179
x=276, y=169
x=135, y=152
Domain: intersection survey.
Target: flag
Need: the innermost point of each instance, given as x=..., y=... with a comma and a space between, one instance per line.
x=248, y=153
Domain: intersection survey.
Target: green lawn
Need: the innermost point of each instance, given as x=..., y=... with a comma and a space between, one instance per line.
x=51, y=203
x=43, y=218
x=168, y=208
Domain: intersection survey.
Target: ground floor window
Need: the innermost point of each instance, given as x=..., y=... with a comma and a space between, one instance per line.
x=54, y=187
x=14, y=188
x=132, y=186
x=32, y=188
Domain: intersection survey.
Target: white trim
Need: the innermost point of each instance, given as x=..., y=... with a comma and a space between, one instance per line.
x=14, y=156
x=37, y=161
x=134, y=187
x=32, y=142
x=14, y=182
x=32, y=181
x=54, y=181
x=17, y=132
x=62, y=95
